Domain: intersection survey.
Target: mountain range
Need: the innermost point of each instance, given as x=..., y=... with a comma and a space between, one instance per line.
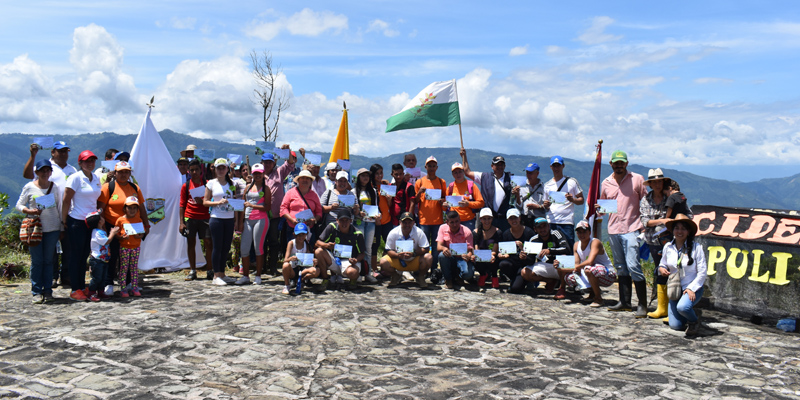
x=780, y=193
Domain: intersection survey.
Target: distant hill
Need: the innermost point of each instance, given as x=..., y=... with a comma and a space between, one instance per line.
x=783, y=193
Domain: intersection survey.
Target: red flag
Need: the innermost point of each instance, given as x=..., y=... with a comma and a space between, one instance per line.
x=594, y=186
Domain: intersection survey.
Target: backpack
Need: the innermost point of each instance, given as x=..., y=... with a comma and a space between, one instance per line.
x=112, y=185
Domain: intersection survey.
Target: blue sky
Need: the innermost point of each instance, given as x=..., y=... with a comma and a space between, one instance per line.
x=699, y=86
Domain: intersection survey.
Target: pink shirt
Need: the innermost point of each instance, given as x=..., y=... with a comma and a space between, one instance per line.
x=464, y=235
x=628, y=195
x=293, y=203
x=275, y=183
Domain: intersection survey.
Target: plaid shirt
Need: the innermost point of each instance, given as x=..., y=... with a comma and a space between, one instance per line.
x=650, y=210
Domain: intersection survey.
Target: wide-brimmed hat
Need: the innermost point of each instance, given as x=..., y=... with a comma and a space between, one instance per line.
x=655, y=174
x=188, y=148
x=303, y=174
x=683, y=218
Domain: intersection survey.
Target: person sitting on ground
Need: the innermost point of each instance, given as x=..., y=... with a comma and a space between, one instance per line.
x=417, y=260
x=554, y=243
x=342, y=232
x=298, y=245
x=591, y=263
x=511, y=265
x=685, y=257
x=486, y=237
x=457, y=268
x=472, y=199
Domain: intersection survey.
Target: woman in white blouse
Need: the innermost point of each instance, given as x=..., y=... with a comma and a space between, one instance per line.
x=685, y=257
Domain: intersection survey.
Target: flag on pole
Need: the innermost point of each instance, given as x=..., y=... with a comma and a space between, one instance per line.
x=594, y=189
x=436, y=105
x=341, y=147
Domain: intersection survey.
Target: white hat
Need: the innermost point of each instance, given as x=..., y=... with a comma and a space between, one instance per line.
x=220, y=161
x=512, y=212
x=331, y=166
x=303, y=174
x=431, y=158
x=342, y=174
x=456, y=166
x=485, y=212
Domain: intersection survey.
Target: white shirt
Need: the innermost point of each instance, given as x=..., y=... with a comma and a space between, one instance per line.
x=416, y=234
x=499, y=193
x=692, y=276
x=562, y=213
x=60, y=175
x=86, y=193
x=219, y=192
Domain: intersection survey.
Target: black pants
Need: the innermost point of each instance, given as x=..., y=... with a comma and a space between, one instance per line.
x=485, y=268
x=272, y=245
x=512, y=268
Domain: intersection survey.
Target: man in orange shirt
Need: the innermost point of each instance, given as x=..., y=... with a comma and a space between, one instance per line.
x=472, y=198
x=430, y=211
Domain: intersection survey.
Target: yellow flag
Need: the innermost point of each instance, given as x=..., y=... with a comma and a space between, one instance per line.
x=341, y=148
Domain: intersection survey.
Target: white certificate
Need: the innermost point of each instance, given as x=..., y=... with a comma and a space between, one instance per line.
x=235, y=158
x=482, y=255
x=304, y=215
x=133, y=229
x=414, y=172
x=343, y=251
x=458, y=249
x=433, y=194
x=345, y=164
x=45, y=143
x=558, y=197
x=388, y=190
x=314, y=159
x=532, y=248
x=204, y=155
x=346, y=200
x=453, y=201
x=305, y=259
x=236, y=204
x=519, y=180
x=372, y=211
x=282, y=153
x=566, y=262
x=507, y=247
x=46, y=201
x=199, y=191
x=404, y=246
x=109, y=165
x=607, y=206
x=263, y=147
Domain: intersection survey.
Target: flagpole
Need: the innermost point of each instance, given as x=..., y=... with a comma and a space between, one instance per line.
x=595, y=228
x=460, y=135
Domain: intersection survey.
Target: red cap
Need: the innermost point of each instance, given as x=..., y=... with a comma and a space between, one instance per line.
x=85, y=155
x=293, y=153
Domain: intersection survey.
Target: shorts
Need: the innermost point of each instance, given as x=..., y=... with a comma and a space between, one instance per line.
x=198, y=227
x=605, y=276
x=336, y=269
x=544, y=270
x=411, y=265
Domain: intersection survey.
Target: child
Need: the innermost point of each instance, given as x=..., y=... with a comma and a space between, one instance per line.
x=98, y=261
x=676, y=201
x=289, y=266
x=129, y=248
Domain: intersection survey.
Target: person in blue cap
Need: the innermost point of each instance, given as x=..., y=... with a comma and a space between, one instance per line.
x=560, y=213
x=292, y=265
x=531, y=197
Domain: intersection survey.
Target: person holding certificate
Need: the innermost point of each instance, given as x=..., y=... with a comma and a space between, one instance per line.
x=471, y=198
x=554, y=243
x=222, y=221
x=366, y=195
x=131, y=231
x=487, y=237
x=455, y=245
x=257, y=202
x=530, y=198
x=430, y=208
x=591, y=263
x=194, y=218
x=341, y=233
x=407, y=249
x=301, y=198
x=511, y=264
x=384, y=225
x=330, y=199
x=40, y=199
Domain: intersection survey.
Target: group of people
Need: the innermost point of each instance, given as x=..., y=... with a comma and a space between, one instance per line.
x=330, y=227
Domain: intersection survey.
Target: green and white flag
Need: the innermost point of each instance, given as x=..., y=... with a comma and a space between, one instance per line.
x=436, y=105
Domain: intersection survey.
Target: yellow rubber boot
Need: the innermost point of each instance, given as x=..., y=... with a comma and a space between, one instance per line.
x=663, y=303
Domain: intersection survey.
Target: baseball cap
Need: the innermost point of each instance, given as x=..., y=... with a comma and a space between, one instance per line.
x=293, y=153
x=122, y=154
x=301, y=227
x=583, y=225
x=220, y=161
x=342, y=174
x=485, y=212
x=431, y=158
x=512, y=212
x=532, y=167
x=540, y=220
x=132, y=200
x=406, y=215
x=331, y=166
x=182, y=159
x=60, y=145
x=85, y=155
x=122, y=165
x=268, y=157
x=344, y=213
x=258, y=168
x=619, y=155
x=498, y=160
x=456, y=166
x=42, y=164
x=556, y=160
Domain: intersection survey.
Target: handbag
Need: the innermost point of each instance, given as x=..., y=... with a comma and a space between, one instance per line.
x=30, y=230
x=674, y=288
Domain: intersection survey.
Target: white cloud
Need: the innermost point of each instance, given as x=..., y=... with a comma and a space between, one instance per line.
x=596, y=33
x=518, y=51
x=304, y=23
x=183, y=23
x=707, y=80
x=378, y=25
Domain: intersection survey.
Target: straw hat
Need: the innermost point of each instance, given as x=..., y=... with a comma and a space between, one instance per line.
x=656, y=174
x=688, y=221
x=303, y=174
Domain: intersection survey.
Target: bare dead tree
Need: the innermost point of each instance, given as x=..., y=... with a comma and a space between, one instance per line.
x=272, y=100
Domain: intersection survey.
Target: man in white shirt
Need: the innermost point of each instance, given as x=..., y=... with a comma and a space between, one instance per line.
x=419, y=259
x=560, y=215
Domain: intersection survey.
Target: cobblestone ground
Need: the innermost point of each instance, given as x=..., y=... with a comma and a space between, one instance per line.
x=194, y=340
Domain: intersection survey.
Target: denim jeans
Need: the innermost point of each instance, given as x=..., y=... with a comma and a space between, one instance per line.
x=79, y=236
x=625, y=249
x=449, y=264
x=432, y=233
x=42, y=258
x=99, y=269
x=368, y=229
x=682, y=312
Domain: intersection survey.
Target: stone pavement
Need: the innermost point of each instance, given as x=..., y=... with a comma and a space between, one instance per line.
x=194, y=340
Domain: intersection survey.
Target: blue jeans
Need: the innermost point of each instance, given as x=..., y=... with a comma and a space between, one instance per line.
x=79, y=236
x=432, y=233
x=42, y=258
x=682, y=312
x=469, y=224
x=99, y=270
x=449, y=264
x=368, y=229
x=625, y=249
x=221, y=239
x=569, y=232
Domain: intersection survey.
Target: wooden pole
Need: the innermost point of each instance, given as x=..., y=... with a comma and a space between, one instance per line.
x=460, y=136
x=596, y=227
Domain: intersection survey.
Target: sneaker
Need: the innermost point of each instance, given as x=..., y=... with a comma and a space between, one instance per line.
x=137, y=293
x=396, y=279
x=123, y=293
x=209, y=275
x=285, y=290
x=227, y=279
x=371, y=279
x=102, y=296
x=48, y=298
x=38, y=299
x=91, y=293
x=109, y=291
x=408, y=276
x=243, y=280
x=94, y=298
x=219, y=282
x=360, y=278
x=78, y=295
x=257, y=280
x=191, y=276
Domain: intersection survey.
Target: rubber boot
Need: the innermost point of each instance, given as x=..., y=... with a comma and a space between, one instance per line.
x=482, y=280
x=624, y=303
x=641, y=295
x=663, y=303
x=495, y=282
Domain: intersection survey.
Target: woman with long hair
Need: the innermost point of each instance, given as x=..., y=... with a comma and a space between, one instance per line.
x=222, y=221
x=383, y=225
x=258, y=201
x=366, y=196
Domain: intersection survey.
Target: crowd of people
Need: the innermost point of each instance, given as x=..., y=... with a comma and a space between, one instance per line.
x=330, y=227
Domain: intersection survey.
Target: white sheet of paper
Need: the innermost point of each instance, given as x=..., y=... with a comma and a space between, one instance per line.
x=282, y=153
x=314, y=159
x=582, y=280
x=519, y=180
x=46, y=201
x=458, y=249
x=205, y=155
x=345, y=164
x=482, y=255
x=404, y=246
x=264, y=147
x=133, y=229
x=236, y=204
x=199, y=191
x=507, y=247
x=389, y=190
x=433, y=194
x=453, y=201
x=305, y=259
x=346, y=200
x=607, y=206
x=304, y=215
x=109, y=165
x=45, y=143
x=414, y=172
x=558, y=197
x=531, y=248
x=372, y=211
x=566, y=262
x=343, y=251
x=235, y=158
